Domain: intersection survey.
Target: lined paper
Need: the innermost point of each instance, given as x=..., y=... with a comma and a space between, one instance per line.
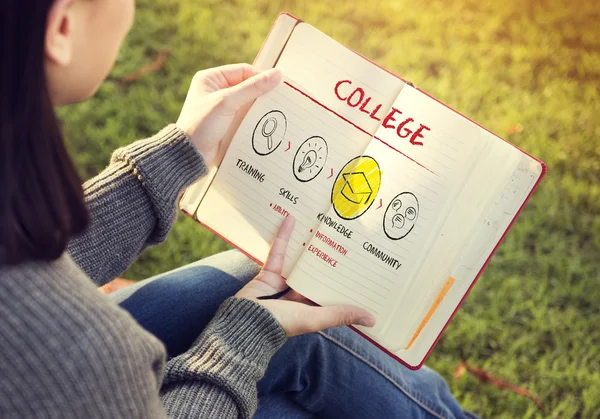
x=316, y=63
x=239, y=206
x=434, y=177
x=241, y=209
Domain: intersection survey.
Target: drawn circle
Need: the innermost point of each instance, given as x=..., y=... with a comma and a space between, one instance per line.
x=269, y=132
x=356, y=187
x=310, y=159
x=269, y=126
x=401, y=215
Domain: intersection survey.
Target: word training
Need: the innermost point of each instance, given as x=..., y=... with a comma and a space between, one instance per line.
x=250, y=171
x=357, y=97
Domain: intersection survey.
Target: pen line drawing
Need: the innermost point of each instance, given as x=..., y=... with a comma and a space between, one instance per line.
x=310, y=159
x=269, y=132
x=401, y=216
x=356, y=187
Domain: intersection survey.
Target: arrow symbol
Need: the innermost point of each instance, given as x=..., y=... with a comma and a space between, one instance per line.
x=380, y=203
x=331, y=174
x=289, y=145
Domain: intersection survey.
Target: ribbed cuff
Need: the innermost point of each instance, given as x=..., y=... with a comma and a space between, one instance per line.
x=250, y=328
x=230, y=357
x=165, y=163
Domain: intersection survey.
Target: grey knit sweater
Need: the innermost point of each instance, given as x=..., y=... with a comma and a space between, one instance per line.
x=66, y=351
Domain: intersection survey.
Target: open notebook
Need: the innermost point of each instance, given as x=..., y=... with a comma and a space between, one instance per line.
x=400, y=201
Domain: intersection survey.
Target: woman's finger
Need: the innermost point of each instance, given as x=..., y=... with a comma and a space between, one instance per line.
x=229, y=75
x=237, y=96
x=299, y=298
x=320, y=318
x=276, y=258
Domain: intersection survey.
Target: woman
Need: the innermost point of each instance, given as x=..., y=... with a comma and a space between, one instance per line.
x=69, y=352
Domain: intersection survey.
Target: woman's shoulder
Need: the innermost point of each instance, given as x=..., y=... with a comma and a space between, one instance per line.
x=65, y=347
x=54, y=305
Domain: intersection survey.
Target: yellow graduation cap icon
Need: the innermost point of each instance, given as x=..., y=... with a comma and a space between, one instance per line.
x=356, y=187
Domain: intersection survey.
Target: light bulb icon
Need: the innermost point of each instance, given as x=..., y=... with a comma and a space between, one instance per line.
x=309, y=161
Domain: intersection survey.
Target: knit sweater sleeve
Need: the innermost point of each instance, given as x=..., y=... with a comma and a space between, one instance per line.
x=217, y=377
x=132, y=202
x=68, y=352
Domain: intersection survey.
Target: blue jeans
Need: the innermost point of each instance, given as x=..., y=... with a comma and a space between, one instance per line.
x=333, y=374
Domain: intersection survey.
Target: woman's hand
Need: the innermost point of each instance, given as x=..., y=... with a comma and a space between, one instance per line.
x=215, y=96
x=296, y=314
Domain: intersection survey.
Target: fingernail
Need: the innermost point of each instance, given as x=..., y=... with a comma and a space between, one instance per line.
x=273, y=76
x=368, y=321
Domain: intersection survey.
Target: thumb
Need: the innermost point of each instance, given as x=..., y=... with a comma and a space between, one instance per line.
x=237, y=96
x=340, y=315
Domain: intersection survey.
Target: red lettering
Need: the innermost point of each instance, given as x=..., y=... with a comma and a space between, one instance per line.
x=407, y=131
x=372, y=115
x=418, y=134
x=362, y=96
x=390, y=117
x=337, y=89
x=365, y=103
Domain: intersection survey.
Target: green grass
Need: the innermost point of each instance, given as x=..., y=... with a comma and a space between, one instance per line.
x=533, y=318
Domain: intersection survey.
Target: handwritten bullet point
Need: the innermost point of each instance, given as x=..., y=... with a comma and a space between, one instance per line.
x=311, y=230
x=303, y=244
x=271, y=204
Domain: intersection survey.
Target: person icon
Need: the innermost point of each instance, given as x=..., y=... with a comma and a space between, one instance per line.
x=266, y=139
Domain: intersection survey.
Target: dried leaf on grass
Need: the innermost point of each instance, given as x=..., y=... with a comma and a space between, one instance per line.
x=157, y=64
x=514, y=129
x=485, y=377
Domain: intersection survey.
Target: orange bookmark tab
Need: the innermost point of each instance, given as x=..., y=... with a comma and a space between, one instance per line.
x=438, y=300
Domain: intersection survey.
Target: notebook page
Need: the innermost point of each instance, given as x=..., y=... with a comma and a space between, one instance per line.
x=307, y=117
x=489, y=229
x=390, y=238
x=260, y=183
x=477, y=196
x=340, y=79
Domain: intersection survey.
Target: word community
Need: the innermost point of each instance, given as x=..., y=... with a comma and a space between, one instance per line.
x=393, y=262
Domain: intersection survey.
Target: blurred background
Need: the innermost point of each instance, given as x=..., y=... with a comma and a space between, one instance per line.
x=529, y=70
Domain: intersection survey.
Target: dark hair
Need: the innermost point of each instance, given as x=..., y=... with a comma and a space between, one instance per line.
x=41, y=198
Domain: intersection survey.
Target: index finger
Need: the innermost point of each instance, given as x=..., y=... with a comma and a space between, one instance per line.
x=276, y=258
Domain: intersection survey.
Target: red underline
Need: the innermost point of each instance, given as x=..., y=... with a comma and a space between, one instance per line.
x=355, y=126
